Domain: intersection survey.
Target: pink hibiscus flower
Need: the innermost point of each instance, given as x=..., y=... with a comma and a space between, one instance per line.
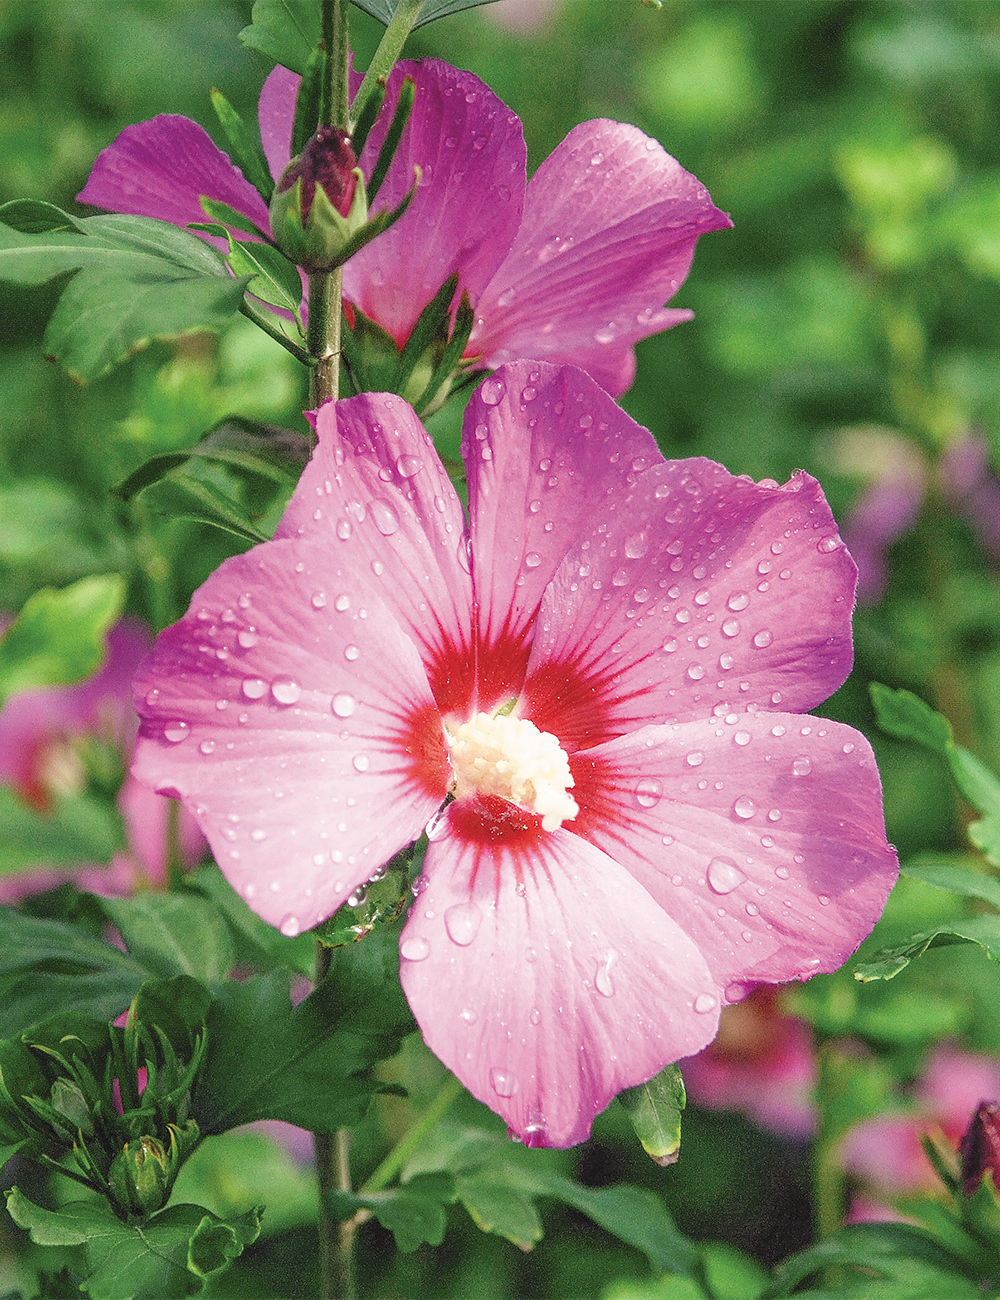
x=606, y=669
x=572, y=267
x=39, y=731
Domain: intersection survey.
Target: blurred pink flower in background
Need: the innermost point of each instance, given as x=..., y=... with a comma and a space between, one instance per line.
x=885, y=1153
x=761, y=1063
x=573, y=266
x=39, y=758
x=973, y=490
x=522, y=17
x=606, y=668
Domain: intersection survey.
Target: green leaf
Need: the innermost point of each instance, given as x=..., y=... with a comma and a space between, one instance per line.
x=429, y=10
x=136, y=280
x=264, y=945
x=173, y=934
x=730, y=1274
x=59, y=635
x=179, y=1006
x=245, y=147
x=272, y=277
x=885, y=965
x=413, y=1213
x=896, y=1252
x=286, y=31
x=906, y=716
x=29, y=941
x=959, y=880
x=654, y=1109
x=221, y=214
x=32, y=217
x=381, y=902
x=307, y=1064
x=633, y=1215
x=161, y=1258
x=80, y=830
x=980, y=787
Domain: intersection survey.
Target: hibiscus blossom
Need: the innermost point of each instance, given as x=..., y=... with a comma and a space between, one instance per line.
x=605, y=668
x=572, y=267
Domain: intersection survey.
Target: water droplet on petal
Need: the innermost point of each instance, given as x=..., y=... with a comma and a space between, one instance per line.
x=468, y=1016
x=636, y=546
x=414, y=949
x=351, y=652
x=532, y=560
x=207, y=746
x=738, y=600
x=731, y=627
x=248, y=638
x=742, y=737
x=704, y=1003
x=782, y=873
x=763, y=638
x=602, y=980
x=290, y=926
x=504, y=1083
x=361, y=762
x=152, y=697
x=744, y=808
x=848, y=748
x=695, y=758
x=462, y=923
x=802, y=767
x=535, y=1016
x=358, y=897
x=342, y=603
x=343, y=529
x=724, y=876
x=696, y=672
x=343, y=705
x=385, y=516
x=407, y=466
x=648, y=792
x=254, y=688
x=492, y=391
x=176, y=731
x=828, y=544
x=285, y=690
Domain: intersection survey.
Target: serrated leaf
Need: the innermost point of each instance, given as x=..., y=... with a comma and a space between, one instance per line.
x=308, y=1064
x=286, y=31
x=430, y=10
x=906, y=716
x=173, y=934
x=80, y=830
x=135, y=280
x=654, y=1109
x=885, y=965
x=59, y=635
x=959, y=880
x=163, y=1257
x=413, y=1213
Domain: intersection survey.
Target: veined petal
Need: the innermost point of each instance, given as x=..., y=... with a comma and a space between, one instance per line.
x=609, y=229
x=760, y=834
x=471, y=153
x=292, y=715
x=547, y=455
x=276, y=114
x=161, y=168
x=546, y=978
x=376, y=494
x=692, y=591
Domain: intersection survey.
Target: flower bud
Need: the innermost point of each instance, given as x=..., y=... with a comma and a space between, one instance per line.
x=143, y=1172
x=980, y=1147
x=319, y=202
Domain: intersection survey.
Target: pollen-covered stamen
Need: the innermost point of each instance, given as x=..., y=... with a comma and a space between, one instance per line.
x=511, y=758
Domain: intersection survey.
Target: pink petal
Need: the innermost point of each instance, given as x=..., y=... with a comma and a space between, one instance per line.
x=761, y=834
x=547, y=979
x=693, y=592
x=376, y=494
x=609, y=228
x=162, y=167
x=276, y=115
x=293, y=717
x=470, y=149
x=546, y=452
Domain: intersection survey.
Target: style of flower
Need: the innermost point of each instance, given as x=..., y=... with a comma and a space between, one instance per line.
x=573, y=266
x=606, y=669
x=762, y=1063
x=41, y=734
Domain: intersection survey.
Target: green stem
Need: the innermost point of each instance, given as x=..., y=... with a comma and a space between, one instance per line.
x=828, y=1174
x=389, y=49
x=175, y=860
x=397, y=1158
x=324, y=335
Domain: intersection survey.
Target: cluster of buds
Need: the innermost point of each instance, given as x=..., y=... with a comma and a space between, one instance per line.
x=108, y=1105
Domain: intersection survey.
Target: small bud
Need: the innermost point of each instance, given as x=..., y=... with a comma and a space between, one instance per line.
x=141, y=1175
x=319, y=202
x=980, y=1147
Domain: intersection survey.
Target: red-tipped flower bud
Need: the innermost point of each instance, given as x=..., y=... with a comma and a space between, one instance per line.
x=980, y=1147
x=319, y=201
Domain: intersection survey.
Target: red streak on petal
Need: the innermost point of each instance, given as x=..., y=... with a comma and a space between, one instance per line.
x=466, y=679
x=488, y=819
x=579, y=706
x=421, y=739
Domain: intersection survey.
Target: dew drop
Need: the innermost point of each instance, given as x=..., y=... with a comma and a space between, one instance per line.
x=702, y=597
x=437, y=825
x=343, y=705
x=778, y=729
x=407, y=466
x=742, y=737
x=207, y=747
x=468, y=1016
x=285, y=690
x=152, y=697
x=343, y=529
x=744, y=808
x=415, y=949
x=763, y=638
x=318, y=600
x=361, y=762
x=462, y=923
x=384, y=514
x=602, y=980
x=358, y=897
x=704, y=1003
x=738, y=600
x=177, y=731
x=248, y=638
x=528, y=394
x=731, y=627
x=695, y=758
x=782, y=873
x=290, y=926
x=636, y=546
x=492, y=391
x=774, y=815
x=254, y=688
x=724, y=876
x=535, y=1016
x=726, y=662
x=648, y=792
x=532, y=560
x=351, y=653
x=848, y=748
x=504, y=1083
x=696, y=672
x=828, y=544
x=802, y=767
